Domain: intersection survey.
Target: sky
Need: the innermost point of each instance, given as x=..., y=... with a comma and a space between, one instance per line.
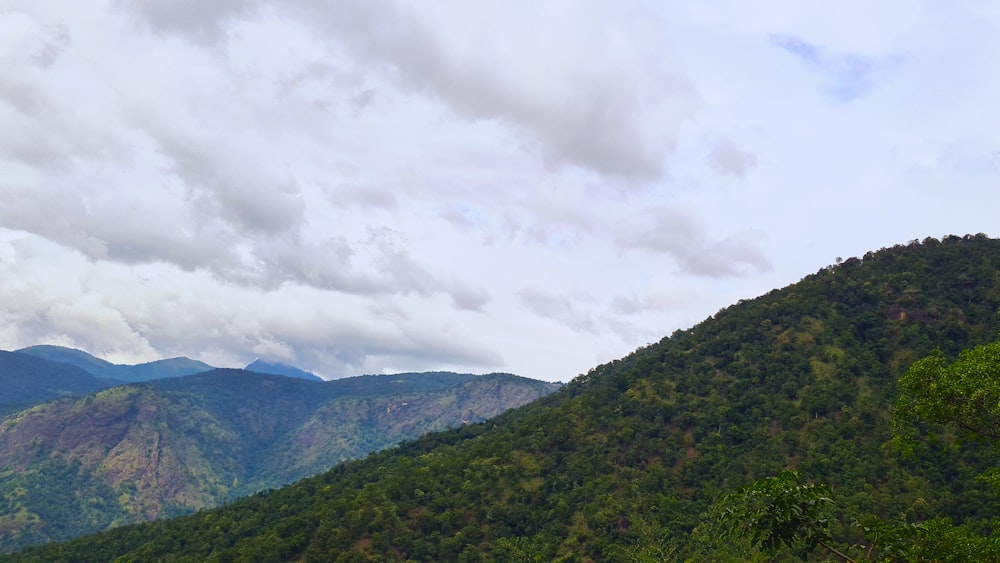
x=534, y=187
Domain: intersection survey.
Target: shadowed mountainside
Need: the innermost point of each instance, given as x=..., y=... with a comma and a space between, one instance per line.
x=26, y=380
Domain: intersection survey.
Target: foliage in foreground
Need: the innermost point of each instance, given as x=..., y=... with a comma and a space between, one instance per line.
x=778, y=512
x=779, y=517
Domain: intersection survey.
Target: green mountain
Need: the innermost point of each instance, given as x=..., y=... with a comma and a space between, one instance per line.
x=632, y=454
x=27, y=380
x=277, y=368
x=171, y=446
x=172, y=367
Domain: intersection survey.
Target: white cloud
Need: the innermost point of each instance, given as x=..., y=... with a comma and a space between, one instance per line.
x=682, y=236
x=528, y=186
x=727, y=158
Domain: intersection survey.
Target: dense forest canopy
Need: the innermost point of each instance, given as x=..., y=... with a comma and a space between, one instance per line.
x=628, y=459
x=955, y=401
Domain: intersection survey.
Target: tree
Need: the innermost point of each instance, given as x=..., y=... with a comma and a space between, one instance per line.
x=964, y=395
x=780, y=511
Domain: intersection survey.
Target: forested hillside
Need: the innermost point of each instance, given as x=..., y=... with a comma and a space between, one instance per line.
x=635, y=451
x=172, y=446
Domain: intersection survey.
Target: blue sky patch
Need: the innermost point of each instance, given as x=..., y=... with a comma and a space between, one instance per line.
x=848, y=76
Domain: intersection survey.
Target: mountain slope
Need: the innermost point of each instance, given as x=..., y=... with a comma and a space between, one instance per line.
x=172, y=367
x=637, y=449
x=274, y=368
x=171, y=446
x=26, y=380
x=378, y=420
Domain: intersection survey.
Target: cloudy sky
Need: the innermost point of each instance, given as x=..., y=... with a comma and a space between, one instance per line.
x=530, y=186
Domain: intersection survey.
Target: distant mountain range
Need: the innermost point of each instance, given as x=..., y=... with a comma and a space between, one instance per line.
x=173, y=367
x=80, y=453
x=160, y=369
